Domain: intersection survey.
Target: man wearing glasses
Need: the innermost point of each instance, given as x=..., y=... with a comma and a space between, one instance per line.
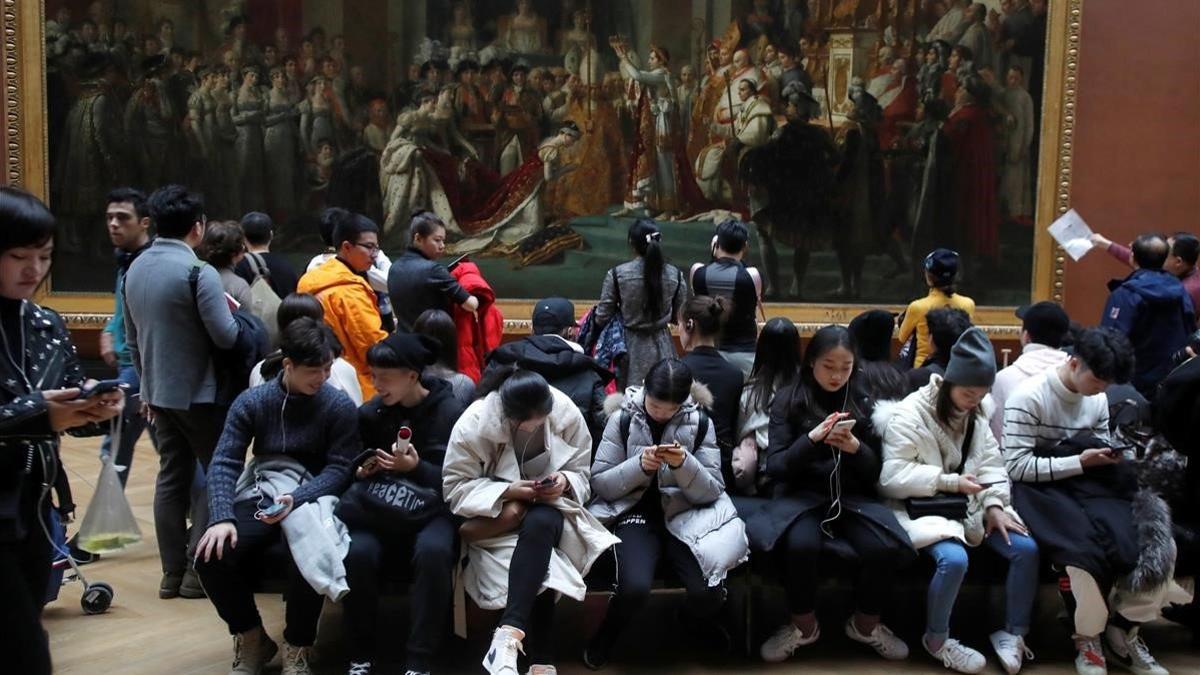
x=349, y=302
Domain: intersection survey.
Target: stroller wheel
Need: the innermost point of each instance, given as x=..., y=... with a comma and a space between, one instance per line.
x=96, y=598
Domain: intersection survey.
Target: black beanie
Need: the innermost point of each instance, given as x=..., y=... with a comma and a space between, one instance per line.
x=872, y=331
x=413, y=352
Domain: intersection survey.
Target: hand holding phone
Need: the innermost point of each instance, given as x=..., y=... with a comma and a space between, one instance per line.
x=101, y=387
x=274, y=509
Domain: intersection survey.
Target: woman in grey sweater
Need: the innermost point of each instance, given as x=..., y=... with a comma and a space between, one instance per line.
x=646, y=293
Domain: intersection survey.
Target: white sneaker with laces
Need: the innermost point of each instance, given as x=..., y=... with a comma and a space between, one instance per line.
x=295, y=660
x=957, y=656
x=1090, y=657
x=1011, y=649
x=252, y=651
x=882, y=640
x=501, y=658
x=785, y=642
x=1130, y=652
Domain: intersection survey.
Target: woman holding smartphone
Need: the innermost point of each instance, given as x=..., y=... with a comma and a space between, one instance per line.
x=41, y=381
x=657, y=478
x=517, y=468
x=823, y=464
x=937, y=443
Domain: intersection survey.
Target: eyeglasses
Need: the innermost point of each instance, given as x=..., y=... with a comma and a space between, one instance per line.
x=369, y=248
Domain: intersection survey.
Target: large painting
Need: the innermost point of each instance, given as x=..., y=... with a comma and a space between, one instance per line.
x=854, y=135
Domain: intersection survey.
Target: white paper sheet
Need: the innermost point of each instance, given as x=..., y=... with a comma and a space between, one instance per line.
x=1073, y=234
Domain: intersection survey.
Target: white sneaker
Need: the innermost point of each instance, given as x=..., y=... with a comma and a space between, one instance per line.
x=785, y=642
x=1129, y=651
x=882, y=640
x=1011, y=649
x=359, y=668
x=957, y=656
x=501, y=658
x=1090, y=657
x=252, y=651
x=541, y=669
x=295, y=660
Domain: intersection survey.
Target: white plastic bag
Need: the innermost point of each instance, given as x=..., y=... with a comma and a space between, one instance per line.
x=108, y=524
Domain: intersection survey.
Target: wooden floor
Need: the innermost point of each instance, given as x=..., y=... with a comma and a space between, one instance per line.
x=142, y=634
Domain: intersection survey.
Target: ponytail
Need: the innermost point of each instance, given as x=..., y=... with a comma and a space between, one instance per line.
x=646, y=240
x=706, y=314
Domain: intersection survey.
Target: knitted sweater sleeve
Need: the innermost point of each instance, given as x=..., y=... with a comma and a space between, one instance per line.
x=229, y=457
x=1024, y=416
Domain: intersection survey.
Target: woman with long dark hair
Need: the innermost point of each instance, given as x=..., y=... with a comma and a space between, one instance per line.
x=824, y=463
x=657, y=478
x=40, y=384
x=700, y=324
x=937, y=442
x=518, y=468
x=872, y=332
x=647, y=293
x=776, y=367
x=440, y=326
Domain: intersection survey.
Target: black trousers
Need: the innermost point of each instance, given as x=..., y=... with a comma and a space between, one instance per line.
x=184, y=436
x=644, y=541
x=801, y=548
x=429, y=555
x=527, y=610
x=24, y=576
x=229, y=582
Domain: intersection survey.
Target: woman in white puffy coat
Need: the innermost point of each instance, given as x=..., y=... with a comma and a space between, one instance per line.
x=925, y=437
x=658, y=485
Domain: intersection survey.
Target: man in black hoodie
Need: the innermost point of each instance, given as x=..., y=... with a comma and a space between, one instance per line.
x=552, y=353
x=428, y=408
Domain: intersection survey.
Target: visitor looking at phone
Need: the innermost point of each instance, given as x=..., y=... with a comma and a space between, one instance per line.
x=657, y=478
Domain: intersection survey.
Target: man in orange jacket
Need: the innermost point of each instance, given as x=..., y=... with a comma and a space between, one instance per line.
x=349, y=302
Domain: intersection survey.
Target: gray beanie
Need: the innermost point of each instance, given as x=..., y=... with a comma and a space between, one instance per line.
x=972, y=360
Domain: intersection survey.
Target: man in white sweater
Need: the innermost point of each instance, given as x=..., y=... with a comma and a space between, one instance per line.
x=1044, y=326
x=1069, y=402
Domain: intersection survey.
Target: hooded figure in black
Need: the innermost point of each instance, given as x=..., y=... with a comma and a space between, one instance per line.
x=552, y=353
x=427, y=407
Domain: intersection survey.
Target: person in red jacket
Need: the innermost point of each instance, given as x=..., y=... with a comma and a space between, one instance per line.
x=481, y=332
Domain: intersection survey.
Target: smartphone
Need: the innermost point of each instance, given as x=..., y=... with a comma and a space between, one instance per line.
x=991, y=483
x=274, y=509
x=544, y=484
x=101, y=387
x=845, y=424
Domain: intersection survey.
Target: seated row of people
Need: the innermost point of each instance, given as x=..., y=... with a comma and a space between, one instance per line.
x=515, y=481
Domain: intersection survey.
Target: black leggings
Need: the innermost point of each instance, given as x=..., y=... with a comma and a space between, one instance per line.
x=24, y=579
x=801, y=547
x=643, y=542
x=527, y=610
x=228, y=582
x=429, y=555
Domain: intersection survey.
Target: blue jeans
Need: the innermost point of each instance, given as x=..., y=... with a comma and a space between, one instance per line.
x=132, y=424
x=950, y=557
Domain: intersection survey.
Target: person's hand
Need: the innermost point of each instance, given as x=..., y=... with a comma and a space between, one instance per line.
x=968, y=484
x=214, y=541
x=471, y=304
x=368, y=468
x=555, y=490
x=672, y=455
x=1099, y=241
x=843, y=439
x=1096, y=457
x=278, y=517
x=996, y=519
x=147, y=412
x=820, y=432
x=108, y=350
x=651, y=461
x=67, y=412
x=520, y=491
x=398, y=462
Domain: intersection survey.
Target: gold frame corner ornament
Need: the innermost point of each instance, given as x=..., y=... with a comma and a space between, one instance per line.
x=24, y=99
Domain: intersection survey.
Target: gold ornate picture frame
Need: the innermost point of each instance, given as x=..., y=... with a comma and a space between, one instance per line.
x=26, y=166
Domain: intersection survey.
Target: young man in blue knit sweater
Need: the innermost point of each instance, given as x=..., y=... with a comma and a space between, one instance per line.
x=300, y=416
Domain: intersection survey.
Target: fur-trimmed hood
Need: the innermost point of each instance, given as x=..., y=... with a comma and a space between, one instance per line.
x=634, y=400
x=926, y=397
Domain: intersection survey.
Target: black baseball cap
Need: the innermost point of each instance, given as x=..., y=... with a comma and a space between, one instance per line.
x=942, y=265
x=553, y=314
x=1046, y=322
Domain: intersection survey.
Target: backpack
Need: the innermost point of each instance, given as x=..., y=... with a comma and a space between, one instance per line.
x=701, y=429
x=232, y=367
x=264, y=302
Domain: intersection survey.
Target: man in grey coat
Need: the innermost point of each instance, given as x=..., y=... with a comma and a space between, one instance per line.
x=172, y=332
